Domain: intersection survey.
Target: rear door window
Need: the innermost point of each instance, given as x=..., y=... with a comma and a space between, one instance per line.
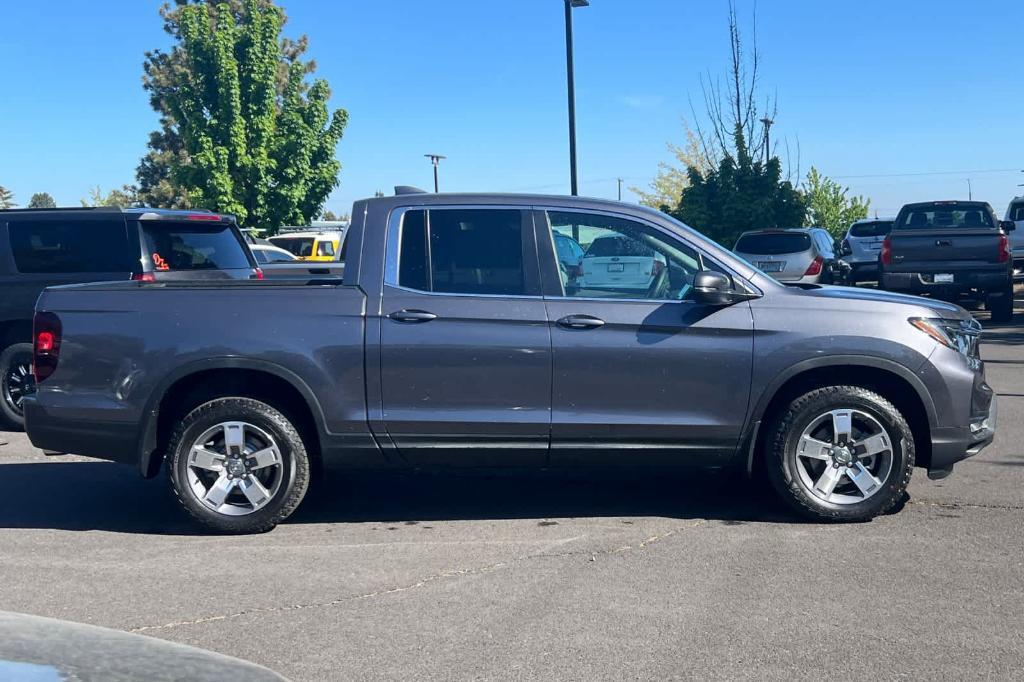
x=876, y=229
x=463, y=251
x=72, y=246
x=945, y=217
x=177, y=247
x=773, y=244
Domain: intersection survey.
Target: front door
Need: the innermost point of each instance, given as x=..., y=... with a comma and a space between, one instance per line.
x=641, y=372
x=465, y=346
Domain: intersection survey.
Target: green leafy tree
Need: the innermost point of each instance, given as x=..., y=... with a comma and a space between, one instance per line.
x=6, y=198
x=42, y=200
x=126, y=196
x=737, y=183
x=667, y=187
x=243, y=130
x=829, y=207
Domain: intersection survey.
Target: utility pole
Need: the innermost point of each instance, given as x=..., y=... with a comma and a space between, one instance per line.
x=620, y=188
x=970, y=192
x=767, y=122
x=570, y=77
x=435, y=159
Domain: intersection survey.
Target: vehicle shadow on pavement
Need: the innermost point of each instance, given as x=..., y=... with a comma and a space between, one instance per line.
x=104, y=496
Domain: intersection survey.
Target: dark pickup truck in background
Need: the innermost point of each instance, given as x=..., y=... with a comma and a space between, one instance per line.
x=456, y=338
x=40, y=248
x=951, y=248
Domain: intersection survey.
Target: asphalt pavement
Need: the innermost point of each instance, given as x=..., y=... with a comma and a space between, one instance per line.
x=576, y=575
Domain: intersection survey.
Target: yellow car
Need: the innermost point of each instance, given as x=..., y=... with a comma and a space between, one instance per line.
x=312, y=246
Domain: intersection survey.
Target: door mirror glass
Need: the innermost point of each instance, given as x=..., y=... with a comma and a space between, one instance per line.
x=1008, y=225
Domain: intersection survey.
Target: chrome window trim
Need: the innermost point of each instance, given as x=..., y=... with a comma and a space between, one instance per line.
x=392, y=252
x=642, y=221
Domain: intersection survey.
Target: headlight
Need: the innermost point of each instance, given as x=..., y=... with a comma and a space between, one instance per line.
x=962, y=336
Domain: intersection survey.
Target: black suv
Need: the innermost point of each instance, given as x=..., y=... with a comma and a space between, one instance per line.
x=48, y=247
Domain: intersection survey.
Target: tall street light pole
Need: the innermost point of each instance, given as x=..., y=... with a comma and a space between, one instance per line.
x=435, y=159
x=569, y=5
x=767, y=122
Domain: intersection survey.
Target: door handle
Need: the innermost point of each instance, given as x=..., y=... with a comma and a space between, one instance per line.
x=413, y=316
x=943, y=242
x=580, y=322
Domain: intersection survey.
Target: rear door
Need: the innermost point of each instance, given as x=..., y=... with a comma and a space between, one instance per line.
x=465, y=351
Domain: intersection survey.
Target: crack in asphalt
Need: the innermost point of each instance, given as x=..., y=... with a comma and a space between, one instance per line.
x=965, y=505
x=423, y=582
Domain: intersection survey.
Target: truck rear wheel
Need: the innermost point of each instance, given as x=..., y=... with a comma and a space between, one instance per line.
x=1001, y=306
x=237, y=465
x=841, y=453
x=15, y=369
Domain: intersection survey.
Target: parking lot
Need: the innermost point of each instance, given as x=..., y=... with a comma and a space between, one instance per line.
x=557, y=576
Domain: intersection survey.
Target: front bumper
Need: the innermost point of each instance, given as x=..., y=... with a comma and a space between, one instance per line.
x=952, y=444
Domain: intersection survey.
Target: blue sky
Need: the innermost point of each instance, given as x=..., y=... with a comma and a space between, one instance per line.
x=872, y=91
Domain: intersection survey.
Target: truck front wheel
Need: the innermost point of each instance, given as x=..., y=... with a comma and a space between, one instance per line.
x=237, y=465
x=841, y=453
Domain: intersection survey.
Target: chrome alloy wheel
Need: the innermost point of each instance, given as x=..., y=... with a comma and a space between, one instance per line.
x=844, y=456
x=235, y=468
x=15, y=384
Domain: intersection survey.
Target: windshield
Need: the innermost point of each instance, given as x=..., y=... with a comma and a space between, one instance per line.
x=300, y=246
x=873, y=229
x=773, y=244
x=174, y=247
x=946, y=216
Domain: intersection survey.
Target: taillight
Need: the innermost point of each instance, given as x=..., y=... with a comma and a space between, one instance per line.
x=886, y=255
x=815, y=267
x=143, y=277
x=1004, y=249
x=257, y=273
x=46, y=331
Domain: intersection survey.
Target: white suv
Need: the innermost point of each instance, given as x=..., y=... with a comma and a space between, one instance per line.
x=1015, y=212
x=861, y=246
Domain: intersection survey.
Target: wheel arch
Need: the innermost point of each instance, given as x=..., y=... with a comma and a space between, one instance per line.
x=195, y=383
x=893, y=381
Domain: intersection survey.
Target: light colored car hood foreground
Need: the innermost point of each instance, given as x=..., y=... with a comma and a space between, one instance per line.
x=41, y=649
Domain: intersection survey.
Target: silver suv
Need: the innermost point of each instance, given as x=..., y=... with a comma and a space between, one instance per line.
x=862, y=245
x=1015, y=212
x=797, y=256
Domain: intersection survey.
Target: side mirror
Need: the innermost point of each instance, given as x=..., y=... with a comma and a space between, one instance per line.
x=712, y=288
x=1008, y=225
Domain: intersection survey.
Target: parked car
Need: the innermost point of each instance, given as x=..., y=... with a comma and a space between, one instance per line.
x=47, y=247
x=310, y=245
x=1015, y=213
x=950, y=248
x=862, y=245
x=620, y=262
x=795, y=256
x=452, y=341
x=266, y=253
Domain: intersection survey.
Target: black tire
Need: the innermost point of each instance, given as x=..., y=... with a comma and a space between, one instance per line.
x=785, y=435
x=1001, y=306
x=13, y=359
x=294, y=465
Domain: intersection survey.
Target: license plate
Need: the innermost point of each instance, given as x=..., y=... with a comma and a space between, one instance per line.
x=944, y=278
x=616, y=267
x=771, y=266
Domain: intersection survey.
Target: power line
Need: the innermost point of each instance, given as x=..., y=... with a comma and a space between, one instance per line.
x=922, y=173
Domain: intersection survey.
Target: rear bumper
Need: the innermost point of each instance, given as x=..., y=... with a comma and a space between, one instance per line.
x=923, y=282
x=114, y=441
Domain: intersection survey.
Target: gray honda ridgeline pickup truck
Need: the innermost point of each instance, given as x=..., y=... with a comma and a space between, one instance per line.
x=461, y=336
